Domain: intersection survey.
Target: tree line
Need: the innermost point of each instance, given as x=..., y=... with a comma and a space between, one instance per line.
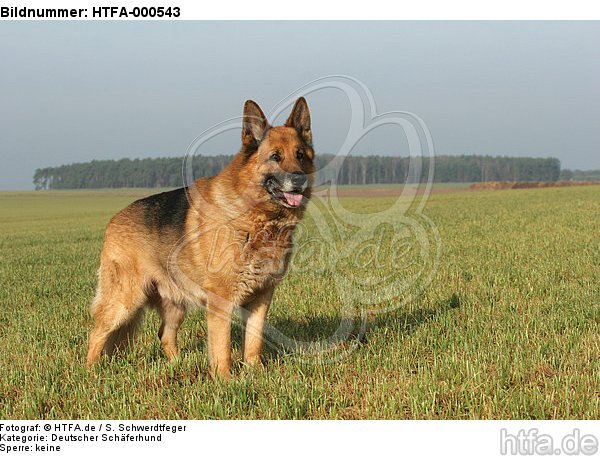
x=579, y=175
x=373, y=169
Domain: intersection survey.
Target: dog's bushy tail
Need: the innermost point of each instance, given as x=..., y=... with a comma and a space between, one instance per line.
x=117, y=311
x=120, y=338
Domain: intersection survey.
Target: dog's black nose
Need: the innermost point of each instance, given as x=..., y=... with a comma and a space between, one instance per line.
x=298, y=179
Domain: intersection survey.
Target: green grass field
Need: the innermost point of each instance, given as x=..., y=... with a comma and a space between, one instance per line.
x=509, y=327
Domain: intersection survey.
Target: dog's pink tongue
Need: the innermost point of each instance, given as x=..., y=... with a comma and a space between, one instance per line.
x=293, y=199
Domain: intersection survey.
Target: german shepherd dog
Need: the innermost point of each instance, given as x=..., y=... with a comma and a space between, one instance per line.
x=223, y=242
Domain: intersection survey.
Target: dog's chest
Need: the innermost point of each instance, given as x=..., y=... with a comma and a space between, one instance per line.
x=264, y=258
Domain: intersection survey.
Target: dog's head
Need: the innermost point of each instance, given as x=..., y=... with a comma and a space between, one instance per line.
x=282, y=156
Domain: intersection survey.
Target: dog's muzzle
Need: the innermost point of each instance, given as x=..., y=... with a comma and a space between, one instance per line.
x=287, y=188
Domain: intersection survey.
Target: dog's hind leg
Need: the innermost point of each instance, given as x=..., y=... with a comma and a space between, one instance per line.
x=117, y=310
x=172, y=316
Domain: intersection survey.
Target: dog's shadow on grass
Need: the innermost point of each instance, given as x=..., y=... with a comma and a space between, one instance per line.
x=346, y=332
x=288, y=335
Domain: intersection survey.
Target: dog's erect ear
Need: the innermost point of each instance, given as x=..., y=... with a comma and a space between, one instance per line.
x=300, y=120
x=254, y=124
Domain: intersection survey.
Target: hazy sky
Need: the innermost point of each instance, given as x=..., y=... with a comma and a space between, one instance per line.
x=76, y=91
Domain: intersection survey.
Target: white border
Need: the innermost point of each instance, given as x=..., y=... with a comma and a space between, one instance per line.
x=348, y=9
x=288, y=438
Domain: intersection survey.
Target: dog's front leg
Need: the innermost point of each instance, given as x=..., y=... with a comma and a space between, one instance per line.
x=254, y=314
x=218, y=322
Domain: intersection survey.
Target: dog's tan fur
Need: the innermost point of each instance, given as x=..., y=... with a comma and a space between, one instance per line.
x=232, y=250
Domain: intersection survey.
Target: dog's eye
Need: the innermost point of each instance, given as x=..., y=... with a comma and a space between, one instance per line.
x=300, y=154
x=276, y=157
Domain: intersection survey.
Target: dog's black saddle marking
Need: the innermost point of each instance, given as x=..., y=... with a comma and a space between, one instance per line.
x=166, y=210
